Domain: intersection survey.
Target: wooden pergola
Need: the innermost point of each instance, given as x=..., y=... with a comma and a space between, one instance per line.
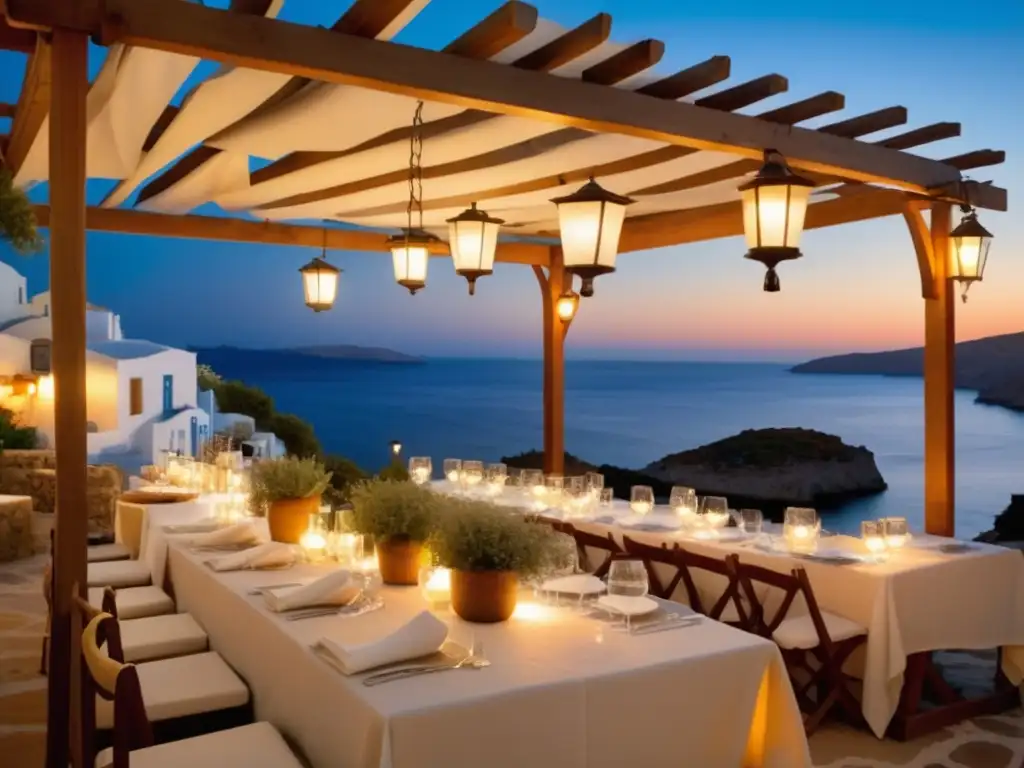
x=517, y=111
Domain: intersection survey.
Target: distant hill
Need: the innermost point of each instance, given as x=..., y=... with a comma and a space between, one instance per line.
x=994, y=366
x=352, y=352
x=215, y=355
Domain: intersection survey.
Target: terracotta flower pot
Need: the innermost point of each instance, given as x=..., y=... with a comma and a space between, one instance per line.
x=289, y=518
x=399, y=561
x=485, y=597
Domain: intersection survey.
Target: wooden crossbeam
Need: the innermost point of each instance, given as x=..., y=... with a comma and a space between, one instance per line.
x=573, y=44
x=862, y=125
x=14, y=39
x=745, y=94
x=626, y=63
x=798, y=111
x=185, y=165
x=919, y=136
x=690, y=80
x=7, y=110
x=33, y=105
x=162, y=124
x=980, y=158
x=194, y=227
x=369, y=18
x=504, y=27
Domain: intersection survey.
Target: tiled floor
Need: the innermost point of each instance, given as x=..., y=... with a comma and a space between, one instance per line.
x=990, y=742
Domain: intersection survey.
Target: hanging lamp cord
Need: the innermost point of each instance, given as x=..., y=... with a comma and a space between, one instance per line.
x=415, y=172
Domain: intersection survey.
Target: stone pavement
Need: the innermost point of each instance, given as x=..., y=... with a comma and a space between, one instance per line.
x=988, y=742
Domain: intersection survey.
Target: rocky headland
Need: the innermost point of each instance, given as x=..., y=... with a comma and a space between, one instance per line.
x=766, y=468
x=993, y=366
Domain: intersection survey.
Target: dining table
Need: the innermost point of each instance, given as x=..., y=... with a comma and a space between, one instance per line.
x=563, y=689
x=933, y=594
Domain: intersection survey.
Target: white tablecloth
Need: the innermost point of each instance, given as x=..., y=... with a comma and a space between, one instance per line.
x=560, y=692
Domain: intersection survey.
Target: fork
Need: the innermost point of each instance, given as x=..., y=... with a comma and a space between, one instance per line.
x=473, y=660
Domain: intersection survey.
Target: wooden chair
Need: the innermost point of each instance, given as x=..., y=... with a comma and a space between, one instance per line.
x=586, y=541
x=155, y=637
x=118, y=574
x=817, y=643
x=122, y=686
x=182, y=697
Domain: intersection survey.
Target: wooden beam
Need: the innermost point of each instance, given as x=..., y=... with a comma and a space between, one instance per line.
x=67, y=310
x=573, y=44
x=17, y=40
x=922, y=240
x=626, y=63
x=187, y=164
x=267, y=233
x=505, y=27
x=369, y=18
x=298, y=50
x=939, y=385
x=980, y=158
x=690, y=80
x=33, y=105
x=919, y=136
x=551, y=287
x=7, y=110
x=745, y=94
x=870, y=123
x=798, y=111
x=162, y=124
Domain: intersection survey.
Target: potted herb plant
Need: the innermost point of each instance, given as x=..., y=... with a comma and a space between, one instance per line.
x=488, y=550
x=288, y=491
x=400, y=516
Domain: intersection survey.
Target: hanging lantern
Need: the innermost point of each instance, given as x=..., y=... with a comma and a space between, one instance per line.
x=567, y=305
x=473, y=240
x=590, y=222
x=320, y=284
x=969, y=251
x=410, y=252
x=774, y=206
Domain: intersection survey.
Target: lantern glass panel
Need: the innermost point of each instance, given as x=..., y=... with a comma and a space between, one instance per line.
x=590, y=232
x=473, y=244
x=969, y=256
x=410, y=262
x=773, y=215
x=320, y=286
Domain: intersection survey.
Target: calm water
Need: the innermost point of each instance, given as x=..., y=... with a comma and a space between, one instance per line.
x=630, y=414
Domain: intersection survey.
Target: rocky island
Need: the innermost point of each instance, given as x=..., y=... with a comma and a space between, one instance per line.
x=766, y=468
x=993, y=366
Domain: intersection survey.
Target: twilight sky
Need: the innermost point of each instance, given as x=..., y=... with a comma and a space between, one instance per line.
x=855, y=289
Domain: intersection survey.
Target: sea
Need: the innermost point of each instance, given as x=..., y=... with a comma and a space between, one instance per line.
x=632, y=413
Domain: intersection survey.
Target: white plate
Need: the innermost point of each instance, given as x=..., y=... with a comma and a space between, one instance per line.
x=580, y=584
x=628, y=606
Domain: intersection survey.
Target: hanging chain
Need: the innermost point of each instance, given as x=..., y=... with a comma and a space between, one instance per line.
x=415, y=170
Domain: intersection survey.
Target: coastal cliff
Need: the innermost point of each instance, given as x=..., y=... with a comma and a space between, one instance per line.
x=993, y=366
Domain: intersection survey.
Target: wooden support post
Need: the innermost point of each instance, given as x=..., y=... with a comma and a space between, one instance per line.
x=67, y=294
x=555, y=329
x=939, y=383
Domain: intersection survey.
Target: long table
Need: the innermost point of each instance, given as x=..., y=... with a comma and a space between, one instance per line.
x=562, y=691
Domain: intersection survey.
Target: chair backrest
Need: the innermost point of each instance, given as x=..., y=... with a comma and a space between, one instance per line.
x=115, y=681
x=586, y=541
x=690, y=561
x=792, y=585
x=661, y=587
x=112, y=631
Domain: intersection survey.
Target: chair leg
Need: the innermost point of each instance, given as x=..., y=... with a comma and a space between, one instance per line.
x=44, y=658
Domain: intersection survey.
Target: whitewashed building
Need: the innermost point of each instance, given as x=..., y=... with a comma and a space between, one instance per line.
x=141, y=397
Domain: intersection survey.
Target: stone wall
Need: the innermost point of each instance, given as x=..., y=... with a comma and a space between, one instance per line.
x=16, y=540
x=34, y=473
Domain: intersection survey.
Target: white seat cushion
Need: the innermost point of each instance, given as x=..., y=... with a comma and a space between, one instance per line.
x=102, y=553
x=799, y=632
x=187, y=685
x=119, y=573
x=249, y=746
x=730, y=615
x=161, y=637
x=135, y=602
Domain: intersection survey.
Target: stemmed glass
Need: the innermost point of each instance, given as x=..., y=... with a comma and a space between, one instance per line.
x=497, y=474
x=683, y=502
x=629, y=579
x=472, y=473
x=641, y=499
x=715, y=510
x=420, y=469
x=453, y=472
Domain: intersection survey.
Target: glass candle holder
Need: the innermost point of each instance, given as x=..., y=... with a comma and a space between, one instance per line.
x=574, y=496
x=606, y=498
x=873, y=534
x=348, y=548
x=641, y=499
x=896, y=532
x=800, y=529
x=314, y=540
x=436, y=586
x=715, y=512
x=594, y=484
x=453, y=471
x=472, y=473
x=534, y=488
x=420, y=469
x=683, y=502
x=497, y=475
x=554, y=489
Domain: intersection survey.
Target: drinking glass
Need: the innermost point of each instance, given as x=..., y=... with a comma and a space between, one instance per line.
x=873, y=533
x=420, y=469
x=574, y=496
x=750, y=521
x=683, y=501
x=595, y=484
x=606, y=498
x=627, y=578
x=472, y=473
x=715, y=511
x=800, y=529
x=453, y=471
x=534, y=488
x=497, y=474
x=641, y=499
x=554, y=486
x=896, y=532
x=515, y=478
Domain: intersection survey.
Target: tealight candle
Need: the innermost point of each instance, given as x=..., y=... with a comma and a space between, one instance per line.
x=314, y=545
x=420, y=475
x=800, y=529
x=452, y=476
x=641, y=507
x=437, y=587
x=717, y=519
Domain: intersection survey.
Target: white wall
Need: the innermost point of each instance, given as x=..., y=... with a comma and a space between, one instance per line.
x=13, y=299
x=15, y=355
x=152, y=369
x=173, y=434
x=31, y=328
x=100, y=325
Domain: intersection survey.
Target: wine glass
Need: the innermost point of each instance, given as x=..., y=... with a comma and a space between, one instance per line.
x=472, y=473
x=420, y=469
x=715, y=510
x=896, y=532
x=453, y=472
x=641, y=499
x=627, y=578
x=683, y=502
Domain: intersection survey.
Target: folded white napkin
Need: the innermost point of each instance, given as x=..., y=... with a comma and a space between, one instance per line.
x=336, y=588
x=273, y=554
x=422, y=635
x=239, y=533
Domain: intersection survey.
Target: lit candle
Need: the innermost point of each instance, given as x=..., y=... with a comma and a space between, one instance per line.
x=875, y=544
x=453, y=476
x=438, y=588
x=718, y=519
x=801, y=538
x=314, y=545
x=641, y=507
x=420, y=475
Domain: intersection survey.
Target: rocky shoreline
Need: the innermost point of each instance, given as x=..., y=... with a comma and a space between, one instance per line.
x=769, y=469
